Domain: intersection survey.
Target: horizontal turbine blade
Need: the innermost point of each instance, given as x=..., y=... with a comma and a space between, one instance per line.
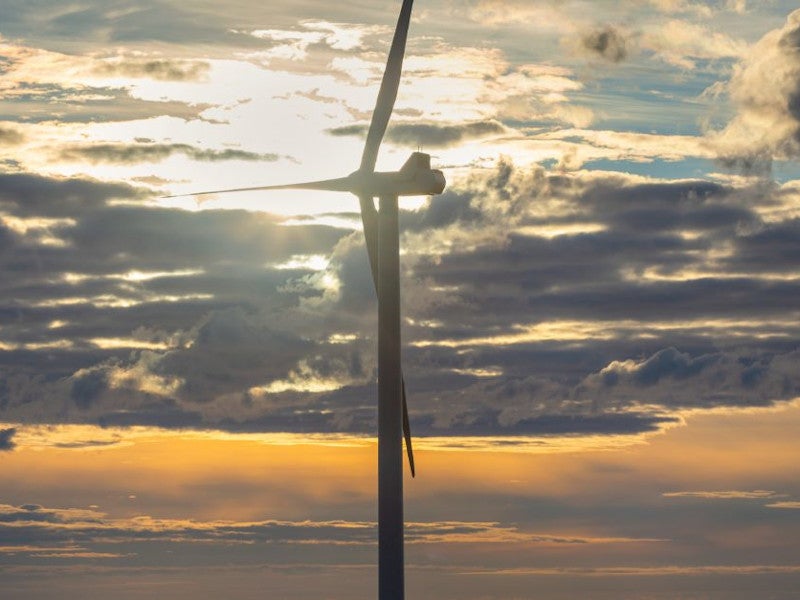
x=342, y=184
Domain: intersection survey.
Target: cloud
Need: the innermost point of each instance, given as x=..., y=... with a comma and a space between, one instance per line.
x=618, y=288
x=683, y=43
x=94, y=26
x=793, y=505
x=607, y=42
x=136, y=153
x=639, y=571
x=34, y=104
x=87, y=385
x=231, y=352
x=31, y=529
x=10, y=136
x=666, y=363
x=7, y=438
x=27, y=194
x=428, y=134
x=159, y=69
x=39, y=85
x=714, y=380
x=765, y=91
x=725, y=495
x=546, y=16
x=683, y=6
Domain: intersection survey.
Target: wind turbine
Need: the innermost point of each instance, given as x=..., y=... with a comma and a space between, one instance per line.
x=381, y=233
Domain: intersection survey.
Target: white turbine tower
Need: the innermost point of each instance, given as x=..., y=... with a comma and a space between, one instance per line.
x=381, y=233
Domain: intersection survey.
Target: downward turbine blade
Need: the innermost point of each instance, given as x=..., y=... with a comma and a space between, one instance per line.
x=388, y=92
x=342, y=184
x=369, y=218
x=407, y=429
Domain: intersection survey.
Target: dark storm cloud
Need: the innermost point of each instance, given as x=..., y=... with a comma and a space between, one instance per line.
x=607, y=43
x=231, y=352
x=491, y=422
x=445, y=209
x=87, y=387
x=664, y=229
x=7, y=439
x=775, y=244
x=228, y=253
x=666, y=363
x=556, y=293
x=429, y=135
x=477, y=270
x=114, y=239
x=675, y=379
x=230, y=250
x=29, y=195
x=135, y=153
x=125, y=238
x=625, y=397
x=160, y=69
x=163, y=414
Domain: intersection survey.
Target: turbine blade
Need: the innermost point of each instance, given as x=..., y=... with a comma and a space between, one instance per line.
x=369, y=218
x=388, y=92
x=407, y=428
x=342, y=184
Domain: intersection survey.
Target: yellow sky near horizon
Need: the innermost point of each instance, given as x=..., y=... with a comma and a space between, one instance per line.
x=185, y=475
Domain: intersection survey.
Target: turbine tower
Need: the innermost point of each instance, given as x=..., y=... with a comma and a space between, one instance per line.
x=381, y=233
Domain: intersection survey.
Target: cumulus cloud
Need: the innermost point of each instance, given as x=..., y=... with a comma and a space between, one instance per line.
x=765, y=91
x=714, y=380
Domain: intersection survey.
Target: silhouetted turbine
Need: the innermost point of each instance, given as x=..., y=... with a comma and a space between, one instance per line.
x=381, y=233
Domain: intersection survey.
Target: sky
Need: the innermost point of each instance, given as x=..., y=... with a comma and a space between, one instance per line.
x=600, y=314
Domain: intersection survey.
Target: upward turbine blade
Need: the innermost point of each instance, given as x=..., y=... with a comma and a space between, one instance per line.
x=388, y=92
x=377, y=129
x=369, y=218
x=342, y=184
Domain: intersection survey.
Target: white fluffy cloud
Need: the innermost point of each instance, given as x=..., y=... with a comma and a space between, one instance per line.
x=765, y=89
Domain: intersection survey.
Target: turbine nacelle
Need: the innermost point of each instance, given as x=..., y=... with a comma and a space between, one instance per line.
x=415, y=178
